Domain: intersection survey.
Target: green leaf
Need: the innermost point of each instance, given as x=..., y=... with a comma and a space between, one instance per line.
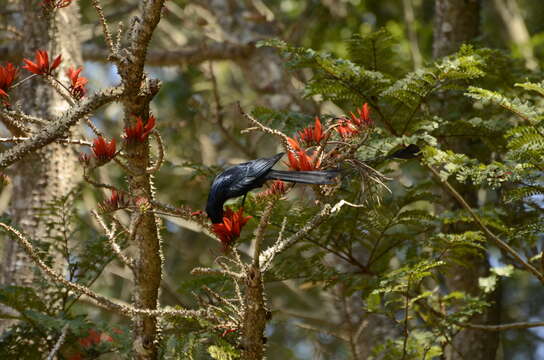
x=223, y=352
x=488, y=284
x=373, y=302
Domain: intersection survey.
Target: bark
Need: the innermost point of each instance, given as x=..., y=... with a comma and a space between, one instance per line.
x=457, y=22
x=254, y=320
x=512, y=19
x=470, y=343
x=148, y=260
x=410, y=20
x=49, y=172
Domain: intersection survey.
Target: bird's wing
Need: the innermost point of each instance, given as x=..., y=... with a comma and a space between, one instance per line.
x=253, y=170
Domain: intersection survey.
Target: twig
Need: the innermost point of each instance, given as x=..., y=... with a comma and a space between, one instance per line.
x=499, y=327
x=219, y=117
x=59, y=87
x=160, y=158
x=24, y=117
x=14, y=125
x=93, y=127
x=284, y=138
x=501, y=244
x=63, y=141
x=104, y=302
x=268, y=255
x=59, y=343
x=105, y=28
x=60, y=126
x=87, y=178
x=209, y=271
x=110, y=236
x=259, y=233
x=405, y=321
x=118, y=38
x=502, y=327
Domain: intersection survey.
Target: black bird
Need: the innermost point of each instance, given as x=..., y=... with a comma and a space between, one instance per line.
x=239, y=179
x=409, y=152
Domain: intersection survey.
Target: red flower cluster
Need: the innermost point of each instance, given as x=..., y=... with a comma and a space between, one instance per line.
x=102, y=150
x=116, y=201
x=277, y=188
x=312, y=135
x=94, y=338
x=55, y=4
x=41, y=66
x=348, y=127
x=139, y=132
x=229, y=230
x=299, y=160
x=77, y=83
x=8, y=74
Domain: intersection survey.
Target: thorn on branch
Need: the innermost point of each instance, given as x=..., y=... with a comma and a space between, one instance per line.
x=99, y=300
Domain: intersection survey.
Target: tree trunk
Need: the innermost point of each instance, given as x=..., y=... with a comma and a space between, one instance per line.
x=49, y=173
x=514, y=24
x=457, y=22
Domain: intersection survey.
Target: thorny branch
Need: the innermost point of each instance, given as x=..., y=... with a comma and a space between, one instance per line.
x=188, y=55
x=160, y=157
x=16, y=139
x=59, y=127
x=259, y=126
x=259, y=233
x=59, y=343
x=282, y=244
x=110, y=236
x=104, y=302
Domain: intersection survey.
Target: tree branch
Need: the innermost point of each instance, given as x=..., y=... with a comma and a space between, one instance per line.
x=501, y=244
x=59, y=343
x=60, y=126
x=188, y=55
x=104, y=302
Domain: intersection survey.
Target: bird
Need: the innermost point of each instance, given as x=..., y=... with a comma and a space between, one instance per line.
x=239, y=179
x=409, y=152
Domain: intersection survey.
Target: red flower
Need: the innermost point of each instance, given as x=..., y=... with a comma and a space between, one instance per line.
x=91, y=339
x=312, y=135
x=363, y=116
x=277, y=188
x=41, y=66
x=102, y=150
x=77, y=83
x=346, y=128
x=139, y=132
x=116, y=201
x=349, y=127
x=229, y=230
x=55, y=4
x=94, y=338
x=8, y=74
x=299, y=160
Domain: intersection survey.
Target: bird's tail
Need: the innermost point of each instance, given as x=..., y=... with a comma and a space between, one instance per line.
x=304, y=177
